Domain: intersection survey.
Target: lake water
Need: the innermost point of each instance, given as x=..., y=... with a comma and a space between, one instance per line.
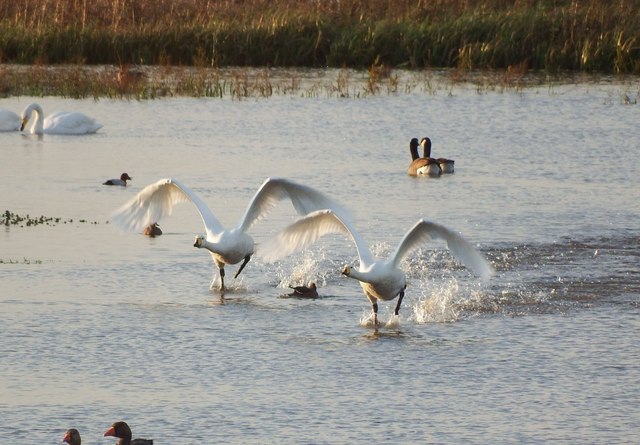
x=98, y=325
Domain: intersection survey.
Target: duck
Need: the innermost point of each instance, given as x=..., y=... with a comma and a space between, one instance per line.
x=446, y=165
x=122, y=431
x=72, y=437
x=310, y=291
x=152, y=230
x=226, y=246
x=380, y=279
x=9, y=121
x=425, y=166
x=61, y=122
x=122, y=181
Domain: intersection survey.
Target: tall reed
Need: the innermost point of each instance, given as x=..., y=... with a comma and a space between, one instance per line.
x=551, y=35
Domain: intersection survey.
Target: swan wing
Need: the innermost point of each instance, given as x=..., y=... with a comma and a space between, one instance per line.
x=70, y=123
x=305, y=199
x=308, y=230
x=156, y=201
x=424, y=231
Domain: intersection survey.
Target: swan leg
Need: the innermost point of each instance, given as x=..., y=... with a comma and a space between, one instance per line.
x=400, y=297
x=244, y=263
x=375, y=313
x=222, y=278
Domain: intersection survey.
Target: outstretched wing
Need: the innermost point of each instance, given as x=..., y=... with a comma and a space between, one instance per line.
x=305, y=199
x=156, y=201
x=308, y=230
x=424, y=231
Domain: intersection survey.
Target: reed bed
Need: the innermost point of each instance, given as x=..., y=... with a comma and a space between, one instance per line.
x=547, y=35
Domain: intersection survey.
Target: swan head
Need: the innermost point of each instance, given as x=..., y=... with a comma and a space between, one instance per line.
x=346, y=270
x=198, y=242
x=414, y=143
x=126, y=177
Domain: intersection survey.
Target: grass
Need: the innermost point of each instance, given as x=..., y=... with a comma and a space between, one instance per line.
x=547, y=35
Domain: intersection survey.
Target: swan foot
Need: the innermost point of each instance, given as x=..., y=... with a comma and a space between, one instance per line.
x=375, y=315
x=244, y=263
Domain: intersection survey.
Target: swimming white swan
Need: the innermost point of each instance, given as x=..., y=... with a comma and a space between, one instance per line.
x=9, y=121
x=380, y=279
x=446, y=165
x=61, y=122
x=425, y=166
x=227, y=246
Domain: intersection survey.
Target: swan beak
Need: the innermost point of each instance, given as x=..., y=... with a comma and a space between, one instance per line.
x=23, y=124
x=347, y=270
x=110, y=432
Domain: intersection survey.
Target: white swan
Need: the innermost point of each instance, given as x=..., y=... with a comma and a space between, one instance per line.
x=9, y=121
x=380, y=279
x=227, y=246
x=60, y=122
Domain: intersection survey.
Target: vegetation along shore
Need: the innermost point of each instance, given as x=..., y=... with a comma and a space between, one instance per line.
x=549, y=36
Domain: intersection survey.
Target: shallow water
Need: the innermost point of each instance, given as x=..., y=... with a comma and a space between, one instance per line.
x=99, y=325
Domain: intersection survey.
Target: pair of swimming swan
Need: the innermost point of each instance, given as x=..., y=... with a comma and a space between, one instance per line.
x=426, y=165
x=61, y=122
x=119, y=430
x=381, y=279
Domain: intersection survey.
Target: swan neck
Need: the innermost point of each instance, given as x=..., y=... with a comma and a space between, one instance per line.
x=38, y=124
x=211, y=247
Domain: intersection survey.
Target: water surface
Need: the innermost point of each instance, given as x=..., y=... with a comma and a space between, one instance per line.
x=99, y=325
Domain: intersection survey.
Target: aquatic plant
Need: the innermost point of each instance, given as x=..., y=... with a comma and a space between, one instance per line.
x=475, y=34
x=9, y=218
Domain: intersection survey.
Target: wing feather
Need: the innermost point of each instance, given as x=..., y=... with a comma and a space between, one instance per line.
x=156, y=201
x=308, y=230
x=424, y=231
x=305, y=200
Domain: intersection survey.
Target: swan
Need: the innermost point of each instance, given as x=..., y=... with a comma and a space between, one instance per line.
x=425, y=166
x=122, y=431
x=446, y=165
x=122, y=181
x=227, y=246
x=60, y=122
x=72, y=437
x=380, y=279
x=9, y=121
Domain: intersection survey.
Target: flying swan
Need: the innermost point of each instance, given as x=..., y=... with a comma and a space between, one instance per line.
x=227, y=246
x=61, y=122
x=380, y=279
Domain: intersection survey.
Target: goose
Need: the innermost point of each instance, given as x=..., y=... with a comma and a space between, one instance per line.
x=310, y=291
x=122, y=431
x=9, y=121
x=446, y=165
x=152, y=230
x=227, y=246
x=381, y=279
x=425, y=166
x=72, y=437
x=61, y=122
x=122, y=181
